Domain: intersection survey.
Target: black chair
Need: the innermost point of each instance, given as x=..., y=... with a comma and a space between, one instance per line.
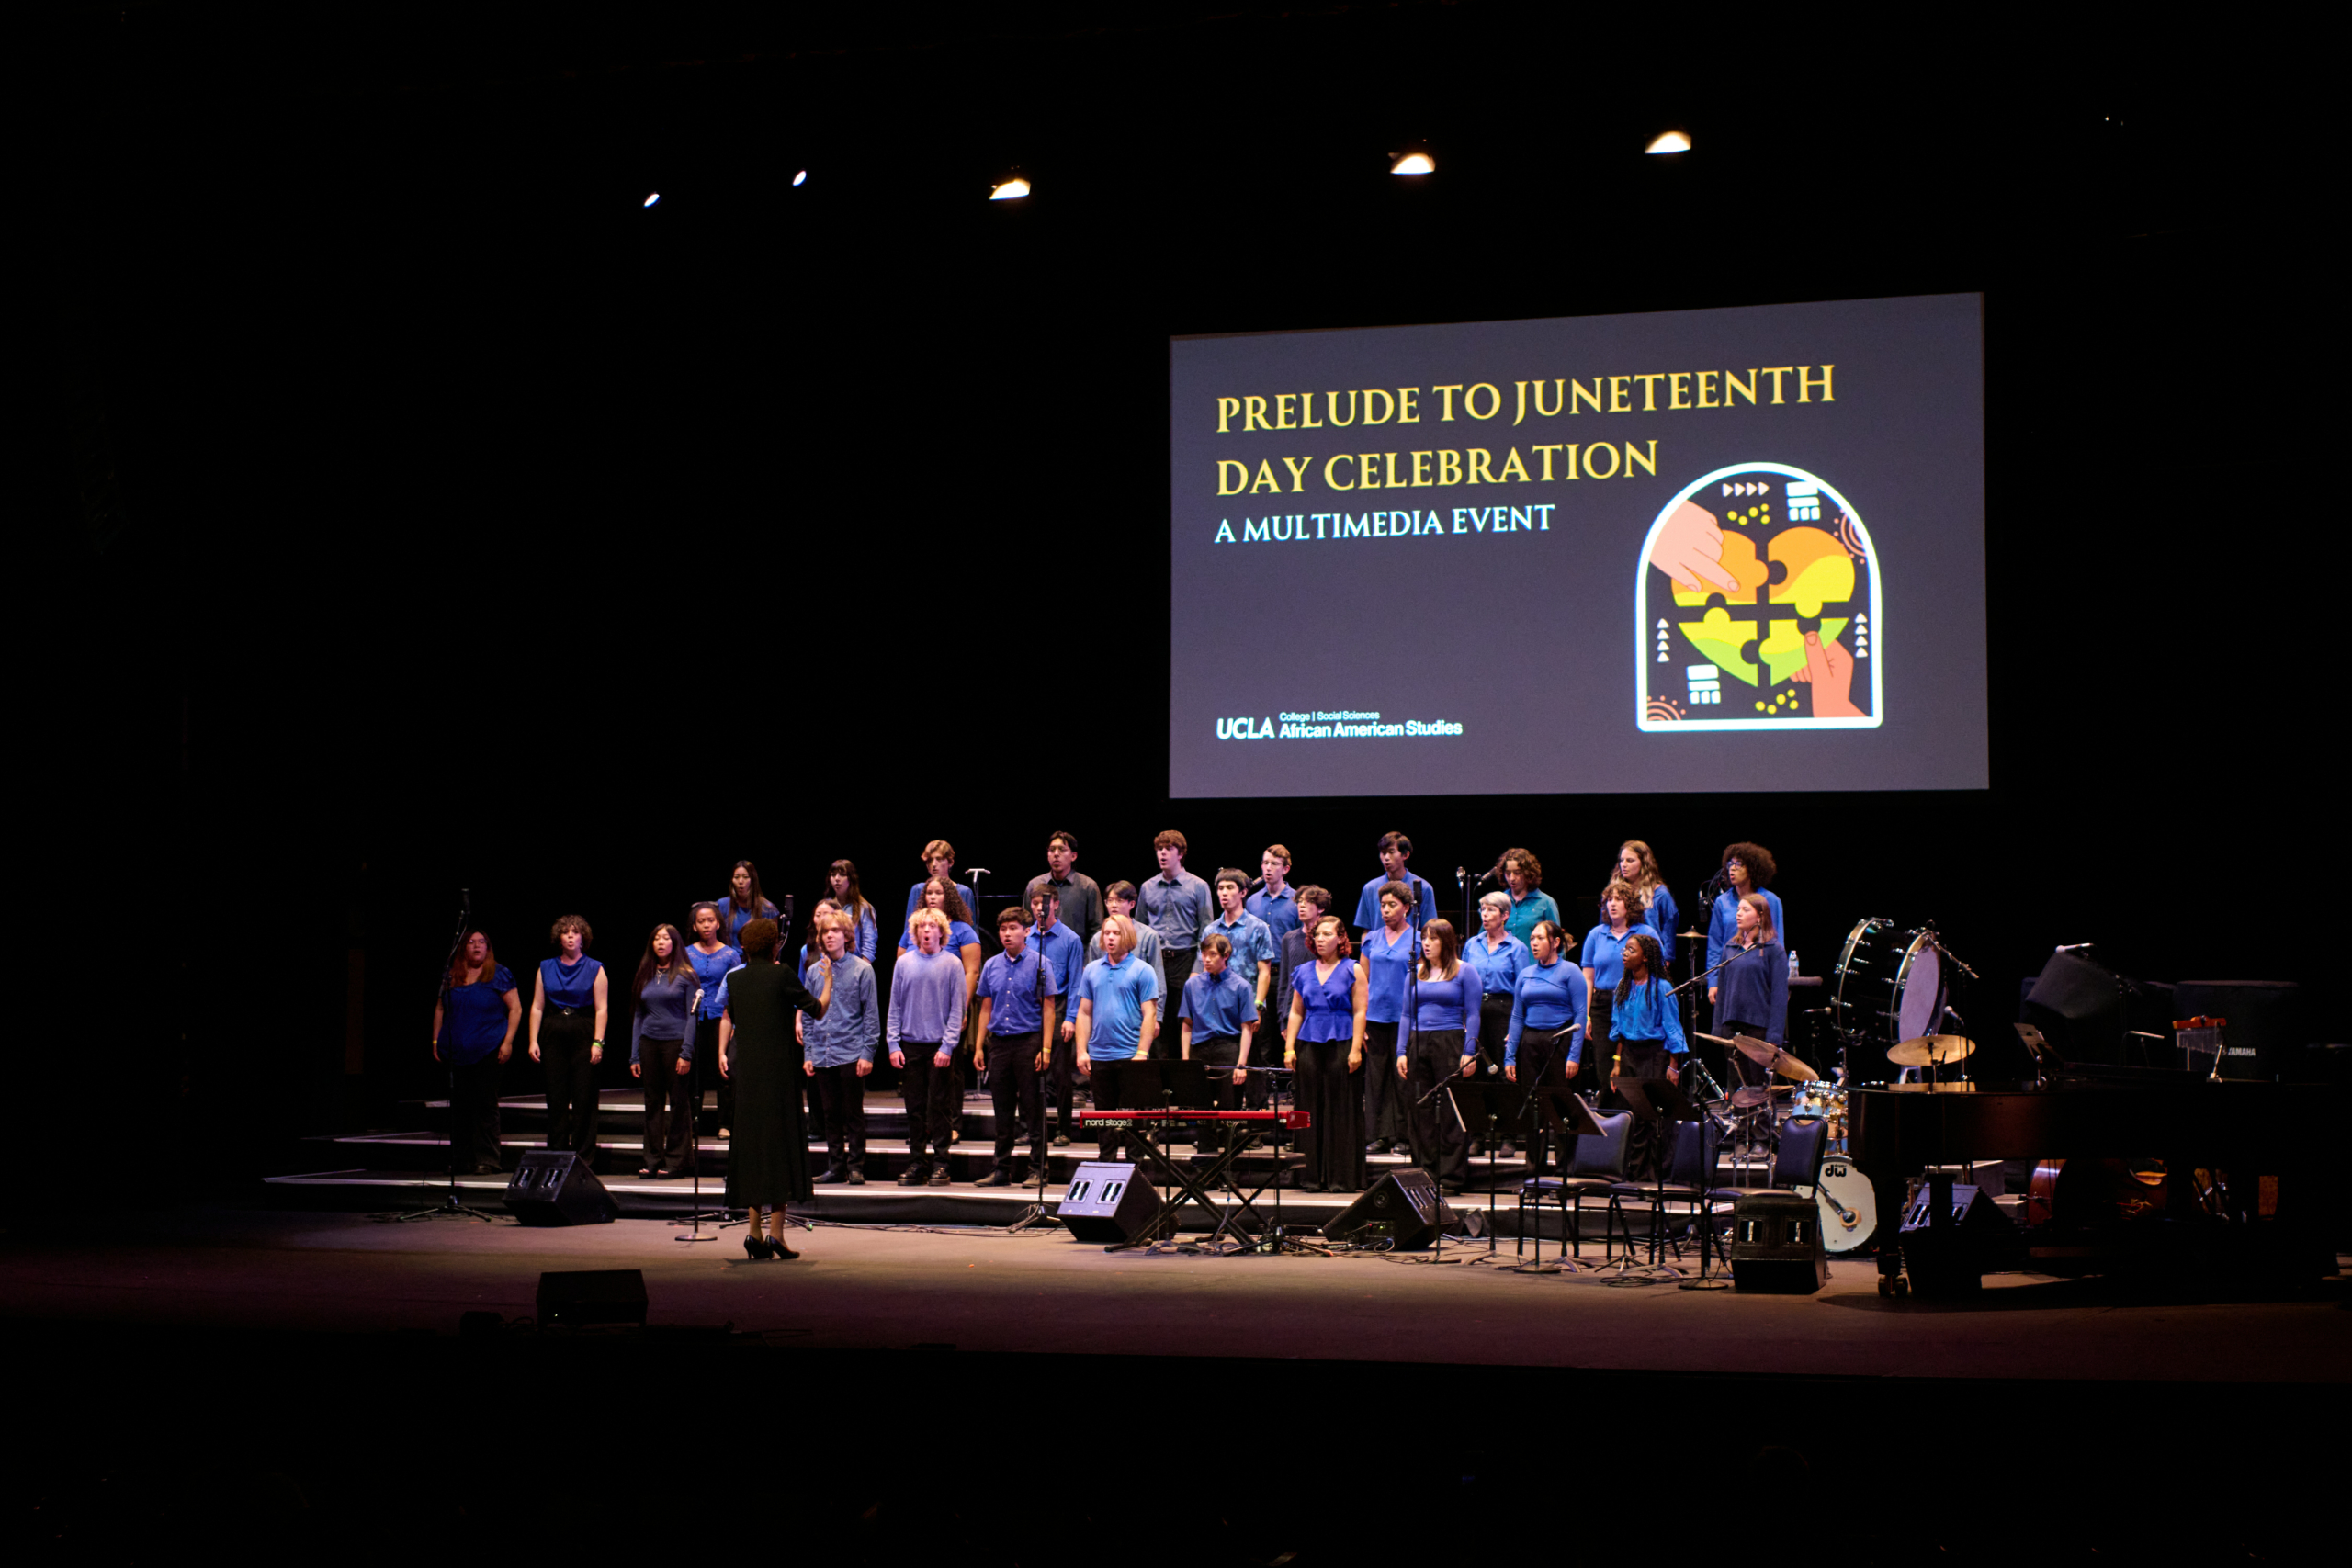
x=1594, y=1170
x=1690, y=1176
x=1796, y=1162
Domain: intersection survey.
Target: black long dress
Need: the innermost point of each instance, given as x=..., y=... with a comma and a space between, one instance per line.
x=767, y=1162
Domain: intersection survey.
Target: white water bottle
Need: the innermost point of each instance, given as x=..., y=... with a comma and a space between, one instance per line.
x=1793, y=963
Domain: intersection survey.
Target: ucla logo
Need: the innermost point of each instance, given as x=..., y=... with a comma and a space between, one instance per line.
x=1245, y=728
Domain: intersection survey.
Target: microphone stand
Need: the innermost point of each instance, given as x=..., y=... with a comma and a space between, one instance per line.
x=693, y=1136
x=449, y=1208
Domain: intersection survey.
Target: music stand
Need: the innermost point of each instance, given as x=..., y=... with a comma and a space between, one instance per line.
x=1577, y=1115
x=1475, y=1100
x=1662, y=1100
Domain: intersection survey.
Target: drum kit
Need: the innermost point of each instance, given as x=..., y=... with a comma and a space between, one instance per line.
x=1888, y=996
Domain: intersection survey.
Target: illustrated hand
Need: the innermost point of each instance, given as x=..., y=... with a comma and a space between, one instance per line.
x=1689, y=549
x=1829, y=670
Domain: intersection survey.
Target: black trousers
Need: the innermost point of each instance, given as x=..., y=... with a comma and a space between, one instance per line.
x=669, y=1115
x=1333, y=1141
x=1017, y=1088
x=1548, y=1047
x=1107, y=1082
x=1383, y=1092
x=697, y=1084
x=1177, y=963
x=566, y=1036
x=1221, y=1052
x=842, y=1094
x=473, y=1113
x=1752, y=1073
x=930, y=1092
x=1494, y=1026
x=1645, y=1146
x=1061, y=1078
x=1441, y=1146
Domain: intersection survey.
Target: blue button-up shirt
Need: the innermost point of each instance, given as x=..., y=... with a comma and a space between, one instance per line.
x=1497, y=967
x=1064, y=956
x=1662, y=917
x=1177, y=909
x=851, y=1025
x=1280, y=914
x=1254, y=942
x=1119, y=992
x=1219, y=1006
x=1011, y=987
x=1647, y=1013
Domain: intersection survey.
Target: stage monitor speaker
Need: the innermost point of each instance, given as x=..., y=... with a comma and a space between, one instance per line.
x=1406, y=1200
x=554, y=1187
x=578, y=1298
x=1776, y=1245
x=2079, y=1004
x=2264, y=1031
x=1951, y=1258
x=1105, y=1202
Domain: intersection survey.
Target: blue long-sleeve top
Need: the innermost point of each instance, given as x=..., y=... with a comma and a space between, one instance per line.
x=914, y=897
x=737, y=917
x=1662, y=917
x=1647, y=1013
x=1497, y=967
x=1445, y=1004
x=710, y=973
x=660, y=1013
x=868, y=939
x=851, y=1026
x=1722, y=924
x=926, y=999
x=1754, y=989
x=1551, y=996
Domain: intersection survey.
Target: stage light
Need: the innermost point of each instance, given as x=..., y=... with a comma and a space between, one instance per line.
x=1415, y=163
x=1011, y=189
x=801, y=178
x=1669, y=142
x=650, y=199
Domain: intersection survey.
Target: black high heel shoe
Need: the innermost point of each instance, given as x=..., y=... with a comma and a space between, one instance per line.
x=757, y=1245
x=777, y=1248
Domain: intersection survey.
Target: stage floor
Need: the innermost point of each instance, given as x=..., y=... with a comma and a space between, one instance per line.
x=862, y=1287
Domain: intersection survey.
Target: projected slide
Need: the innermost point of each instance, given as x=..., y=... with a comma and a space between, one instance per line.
x=1730, y=550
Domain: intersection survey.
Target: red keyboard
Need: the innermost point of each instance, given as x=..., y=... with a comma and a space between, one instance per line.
x=1292, y=1119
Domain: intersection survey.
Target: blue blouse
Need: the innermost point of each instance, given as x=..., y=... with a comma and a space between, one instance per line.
x=1648, y=1013
x=1498, y=969
x=710, y=969
x=1330, y=1004
x=1387, y=966
x=570, y=987
x=661, y=1014
x=1551, y=996
x=473, y=1023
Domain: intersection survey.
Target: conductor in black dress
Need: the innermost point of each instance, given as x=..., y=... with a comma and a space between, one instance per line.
x=767, y=1163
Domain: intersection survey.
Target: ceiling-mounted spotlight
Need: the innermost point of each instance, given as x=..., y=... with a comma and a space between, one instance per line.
x=1013, y=187
x=801, y=178
x=651, y=197
x=1669, y=142
x=1416, y=161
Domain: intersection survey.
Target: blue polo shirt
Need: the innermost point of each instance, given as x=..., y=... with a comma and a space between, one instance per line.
x=1368, y=902
x=1013, y=986
x=1498, y=967
x=1722, y=924
x=1604, y=954
x=1280, y=915
x=1119, y=992
x=1551, y=996
x=914, y=897
x=1254, y=942
x=1387, y=966
x=1219, y=1007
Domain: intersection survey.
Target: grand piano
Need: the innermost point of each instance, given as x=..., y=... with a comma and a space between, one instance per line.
x=2249, y=1130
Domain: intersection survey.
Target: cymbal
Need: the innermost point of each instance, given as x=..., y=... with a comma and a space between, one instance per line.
x=1930, y=1050
x=1755, y=1049
x=1788, y=1066
x=1689, y=936
x=1743, y=1097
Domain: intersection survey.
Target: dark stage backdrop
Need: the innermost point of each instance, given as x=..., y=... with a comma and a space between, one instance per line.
x=425, y=514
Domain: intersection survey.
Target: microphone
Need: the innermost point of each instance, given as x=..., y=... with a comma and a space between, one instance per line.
x=2075, y=946
x=977, y=871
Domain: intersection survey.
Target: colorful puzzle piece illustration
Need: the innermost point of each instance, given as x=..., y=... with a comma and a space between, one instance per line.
x=1740, y=559
x=1819, y=571
x=1721, y=638
x=1783, y=651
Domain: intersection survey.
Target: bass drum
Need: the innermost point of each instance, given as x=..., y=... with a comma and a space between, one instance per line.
x=1889, y=988
x=1848, y=1209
